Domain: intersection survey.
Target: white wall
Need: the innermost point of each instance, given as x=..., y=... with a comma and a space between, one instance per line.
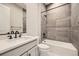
x=33, y=19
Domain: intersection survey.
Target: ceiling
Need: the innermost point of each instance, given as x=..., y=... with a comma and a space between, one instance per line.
x=46, y=3
x=22, y=5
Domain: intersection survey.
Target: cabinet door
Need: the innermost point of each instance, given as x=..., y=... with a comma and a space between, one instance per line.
x=33, y=51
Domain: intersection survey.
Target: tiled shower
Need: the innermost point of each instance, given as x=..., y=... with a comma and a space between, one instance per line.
x=58, y=23
x=61, y=23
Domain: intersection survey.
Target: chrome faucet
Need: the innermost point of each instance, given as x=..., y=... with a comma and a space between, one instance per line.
x=20, y=35
x=12, y=32
x=17, y=32
x=10, y=37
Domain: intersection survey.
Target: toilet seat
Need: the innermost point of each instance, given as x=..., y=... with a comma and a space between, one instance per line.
x=43, y=49
x=43, y=46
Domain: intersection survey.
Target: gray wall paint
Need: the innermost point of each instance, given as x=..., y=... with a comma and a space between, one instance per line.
x=33, y=22
x=58, y=23
x=75, y=24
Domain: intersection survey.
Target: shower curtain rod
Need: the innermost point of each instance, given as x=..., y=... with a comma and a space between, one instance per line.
x=55, y=7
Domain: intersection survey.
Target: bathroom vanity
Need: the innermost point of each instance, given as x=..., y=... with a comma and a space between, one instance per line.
x=24, y=46
x=15, y=18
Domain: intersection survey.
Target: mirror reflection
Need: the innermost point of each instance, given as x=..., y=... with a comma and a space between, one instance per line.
x=12, y=17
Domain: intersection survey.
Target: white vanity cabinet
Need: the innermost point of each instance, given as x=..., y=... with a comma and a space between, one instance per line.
x=32, y=52
x=28, y=49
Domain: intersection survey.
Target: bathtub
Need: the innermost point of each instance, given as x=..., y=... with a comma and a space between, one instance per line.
x=58, y=48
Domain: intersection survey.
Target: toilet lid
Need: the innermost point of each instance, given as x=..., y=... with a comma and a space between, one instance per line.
x=43, y=46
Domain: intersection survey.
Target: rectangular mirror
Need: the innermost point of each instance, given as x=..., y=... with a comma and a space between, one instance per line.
x=12, y=17
x=4, y=19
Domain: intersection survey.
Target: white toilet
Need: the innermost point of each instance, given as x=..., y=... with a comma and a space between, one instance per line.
x=43, y=49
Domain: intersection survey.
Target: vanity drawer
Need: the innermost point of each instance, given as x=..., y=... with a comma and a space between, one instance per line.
x=20, y=50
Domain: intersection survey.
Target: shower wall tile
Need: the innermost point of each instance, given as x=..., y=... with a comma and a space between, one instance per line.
x=76, y=45
x=75, y=28
x=51, y=29
x=74, y=9
x=75, y=35
x=65, y=22
x=62, y=34
x=64, y=13
x=50, y=12
x=75, y=21
x=75, y=14
x=50, y=16
x=60, y=17
x=75, y=24
x=51, y=21
x=75, y=39
x=51, y=33
x=58, y=23
x=43, y=24
x=62, y=28
x=51, y=36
